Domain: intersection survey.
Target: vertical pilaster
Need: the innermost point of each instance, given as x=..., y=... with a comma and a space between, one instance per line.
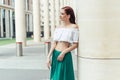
x=27, y=25
x=7, y=26
x=26, y=5
x=1, y=11
x=61, y=4
x=57, y=12
x=20, y=21
x=46, y=20
x=0, y=23
x=52, y=17
x=11, y=23
x=31, y=23
x=99, y=51
x=36, y=20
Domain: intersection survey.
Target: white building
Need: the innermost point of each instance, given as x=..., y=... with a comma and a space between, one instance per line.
x=7, y=18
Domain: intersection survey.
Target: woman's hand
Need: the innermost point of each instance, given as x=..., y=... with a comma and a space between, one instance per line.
x=61, y=56
x=48, y=63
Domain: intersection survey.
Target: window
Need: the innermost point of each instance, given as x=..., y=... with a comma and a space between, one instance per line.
x=9, y=2
x=3, y=1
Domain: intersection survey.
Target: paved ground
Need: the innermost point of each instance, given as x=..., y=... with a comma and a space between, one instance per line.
x=30, y=66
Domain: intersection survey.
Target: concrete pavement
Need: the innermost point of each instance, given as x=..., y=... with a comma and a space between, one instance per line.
x=30, y=66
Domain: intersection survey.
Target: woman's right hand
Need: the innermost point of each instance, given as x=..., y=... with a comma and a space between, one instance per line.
x=48, y=63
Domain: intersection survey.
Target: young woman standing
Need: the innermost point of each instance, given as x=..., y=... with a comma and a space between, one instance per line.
x=64, y=41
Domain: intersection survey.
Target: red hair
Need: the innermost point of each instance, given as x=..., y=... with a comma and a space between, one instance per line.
x=69, y=11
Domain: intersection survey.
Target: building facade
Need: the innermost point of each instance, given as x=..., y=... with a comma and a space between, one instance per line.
x=7, y=18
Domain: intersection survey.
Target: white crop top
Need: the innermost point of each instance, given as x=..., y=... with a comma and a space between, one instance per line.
x=66, y=34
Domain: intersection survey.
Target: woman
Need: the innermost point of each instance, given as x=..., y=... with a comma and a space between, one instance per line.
x=64, y=41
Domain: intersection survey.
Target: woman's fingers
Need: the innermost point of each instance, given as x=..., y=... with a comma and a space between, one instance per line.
x=60, y=57
x=48, y=63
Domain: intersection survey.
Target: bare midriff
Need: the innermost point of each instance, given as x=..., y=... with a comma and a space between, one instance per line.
x=62, y=45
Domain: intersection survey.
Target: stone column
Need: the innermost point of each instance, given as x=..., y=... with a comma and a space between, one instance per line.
x=20, y=22
x=1, y=11
x=30, y=22
x=57, y=10
x=99, y=52
x=27, y=25
x=46, y=20
x=52, y=17
x=64, y=1
x=73, y=4
x=7, y=24
x=61, y=3
x=36, y=20
x=26, y=5
x=11, y=23
x=0, y=22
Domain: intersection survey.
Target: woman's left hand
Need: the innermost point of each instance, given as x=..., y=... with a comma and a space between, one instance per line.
x=61, y=56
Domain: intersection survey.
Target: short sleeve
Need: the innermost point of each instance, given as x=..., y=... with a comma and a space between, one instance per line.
x=75, y=35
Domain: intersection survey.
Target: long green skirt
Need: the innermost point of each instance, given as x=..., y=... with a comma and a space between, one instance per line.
x=62, y=70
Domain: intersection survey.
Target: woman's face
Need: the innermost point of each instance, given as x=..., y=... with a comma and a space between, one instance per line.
x=63, y=15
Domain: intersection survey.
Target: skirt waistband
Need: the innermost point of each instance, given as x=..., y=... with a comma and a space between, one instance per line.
x=57, y=50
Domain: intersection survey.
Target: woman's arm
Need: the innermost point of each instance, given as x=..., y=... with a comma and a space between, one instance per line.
x=53, y=45
x=72, y=47
x=61, y=56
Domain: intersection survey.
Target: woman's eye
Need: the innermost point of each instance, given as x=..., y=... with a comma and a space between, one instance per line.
x=62, y=13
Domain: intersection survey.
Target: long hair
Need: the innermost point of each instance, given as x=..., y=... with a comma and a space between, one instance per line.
x=69, y=11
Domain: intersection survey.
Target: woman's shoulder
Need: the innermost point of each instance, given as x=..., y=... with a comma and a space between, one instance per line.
x=71, y=26
x=75, y=26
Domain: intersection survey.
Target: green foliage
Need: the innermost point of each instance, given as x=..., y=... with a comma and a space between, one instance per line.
x=6, y=41
x=9, y=41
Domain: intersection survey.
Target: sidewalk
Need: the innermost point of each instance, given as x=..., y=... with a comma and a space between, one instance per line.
x=30, y=66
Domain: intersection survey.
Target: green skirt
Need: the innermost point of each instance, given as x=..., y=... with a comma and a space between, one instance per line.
x=62, y=70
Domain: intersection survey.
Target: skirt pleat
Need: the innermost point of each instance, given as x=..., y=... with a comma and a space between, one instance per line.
x=62, y=70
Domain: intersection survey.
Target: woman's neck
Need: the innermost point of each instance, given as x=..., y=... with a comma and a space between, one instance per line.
x=66, y=23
